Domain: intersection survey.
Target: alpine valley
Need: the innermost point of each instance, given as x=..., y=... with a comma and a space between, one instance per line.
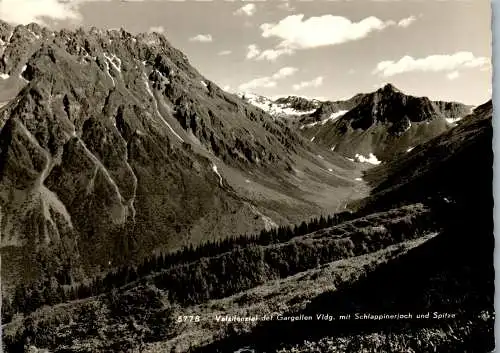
x=139, y=202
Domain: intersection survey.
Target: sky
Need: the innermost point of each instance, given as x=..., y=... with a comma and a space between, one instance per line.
x=316, y=49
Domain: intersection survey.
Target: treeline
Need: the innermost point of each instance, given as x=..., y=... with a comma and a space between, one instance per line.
x=48, y=291
x=227, y=272
x=219, y=268
x=245, y=268
x=216, y=277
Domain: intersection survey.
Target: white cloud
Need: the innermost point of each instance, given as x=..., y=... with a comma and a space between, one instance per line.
x=432, y=63
x=285, y=72
x=268, y=81
x=453, y=75
x=273, y=54
x=202, y=38
x=299, y=33
x=27, y=11
x=252, y=51
x=248, y=10
x=39, y=11
x=406, y=22
x=318, y=81
x=225, y=52
x=157, y=29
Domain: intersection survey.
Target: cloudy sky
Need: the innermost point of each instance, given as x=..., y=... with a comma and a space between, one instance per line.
x=320, y=48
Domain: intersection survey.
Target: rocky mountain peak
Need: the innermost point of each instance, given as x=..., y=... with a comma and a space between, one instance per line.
x=115, y=139
x=397, y=122
x=299, y=103
x=143, y=65
x=389, y=88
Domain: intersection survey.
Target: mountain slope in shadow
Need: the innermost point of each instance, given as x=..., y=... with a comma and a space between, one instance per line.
x=451, y=275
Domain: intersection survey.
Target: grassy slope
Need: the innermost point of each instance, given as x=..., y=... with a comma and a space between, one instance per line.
x=451, y=273
x=144, y=311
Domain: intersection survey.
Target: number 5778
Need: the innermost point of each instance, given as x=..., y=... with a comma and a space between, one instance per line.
x=188, y=318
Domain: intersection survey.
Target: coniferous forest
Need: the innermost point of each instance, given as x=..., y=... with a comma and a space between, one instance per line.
x=190, y=272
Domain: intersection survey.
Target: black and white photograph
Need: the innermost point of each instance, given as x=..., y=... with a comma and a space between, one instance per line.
x=275, y=176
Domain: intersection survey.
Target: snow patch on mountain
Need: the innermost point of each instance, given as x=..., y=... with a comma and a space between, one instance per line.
x=155, y=105
x=37, y=36
x=452, y=121
x=272, y=108
x=372, y=159
x=109, y=75
x=332, y=117
x=21, y=73
x=115, y=61
x=335, y=115
x=216, y=171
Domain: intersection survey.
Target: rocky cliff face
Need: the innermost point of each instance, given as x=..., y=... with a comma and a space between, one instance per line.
x=384, y=123
x=299, y=103
x=113, y=145
x=329, y=107
x=147, y=67
x=287, y=109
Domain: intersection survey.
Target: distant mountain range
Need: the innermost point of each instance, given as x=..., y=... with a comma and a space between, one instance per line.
x=282, y=107
x=373, y=126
